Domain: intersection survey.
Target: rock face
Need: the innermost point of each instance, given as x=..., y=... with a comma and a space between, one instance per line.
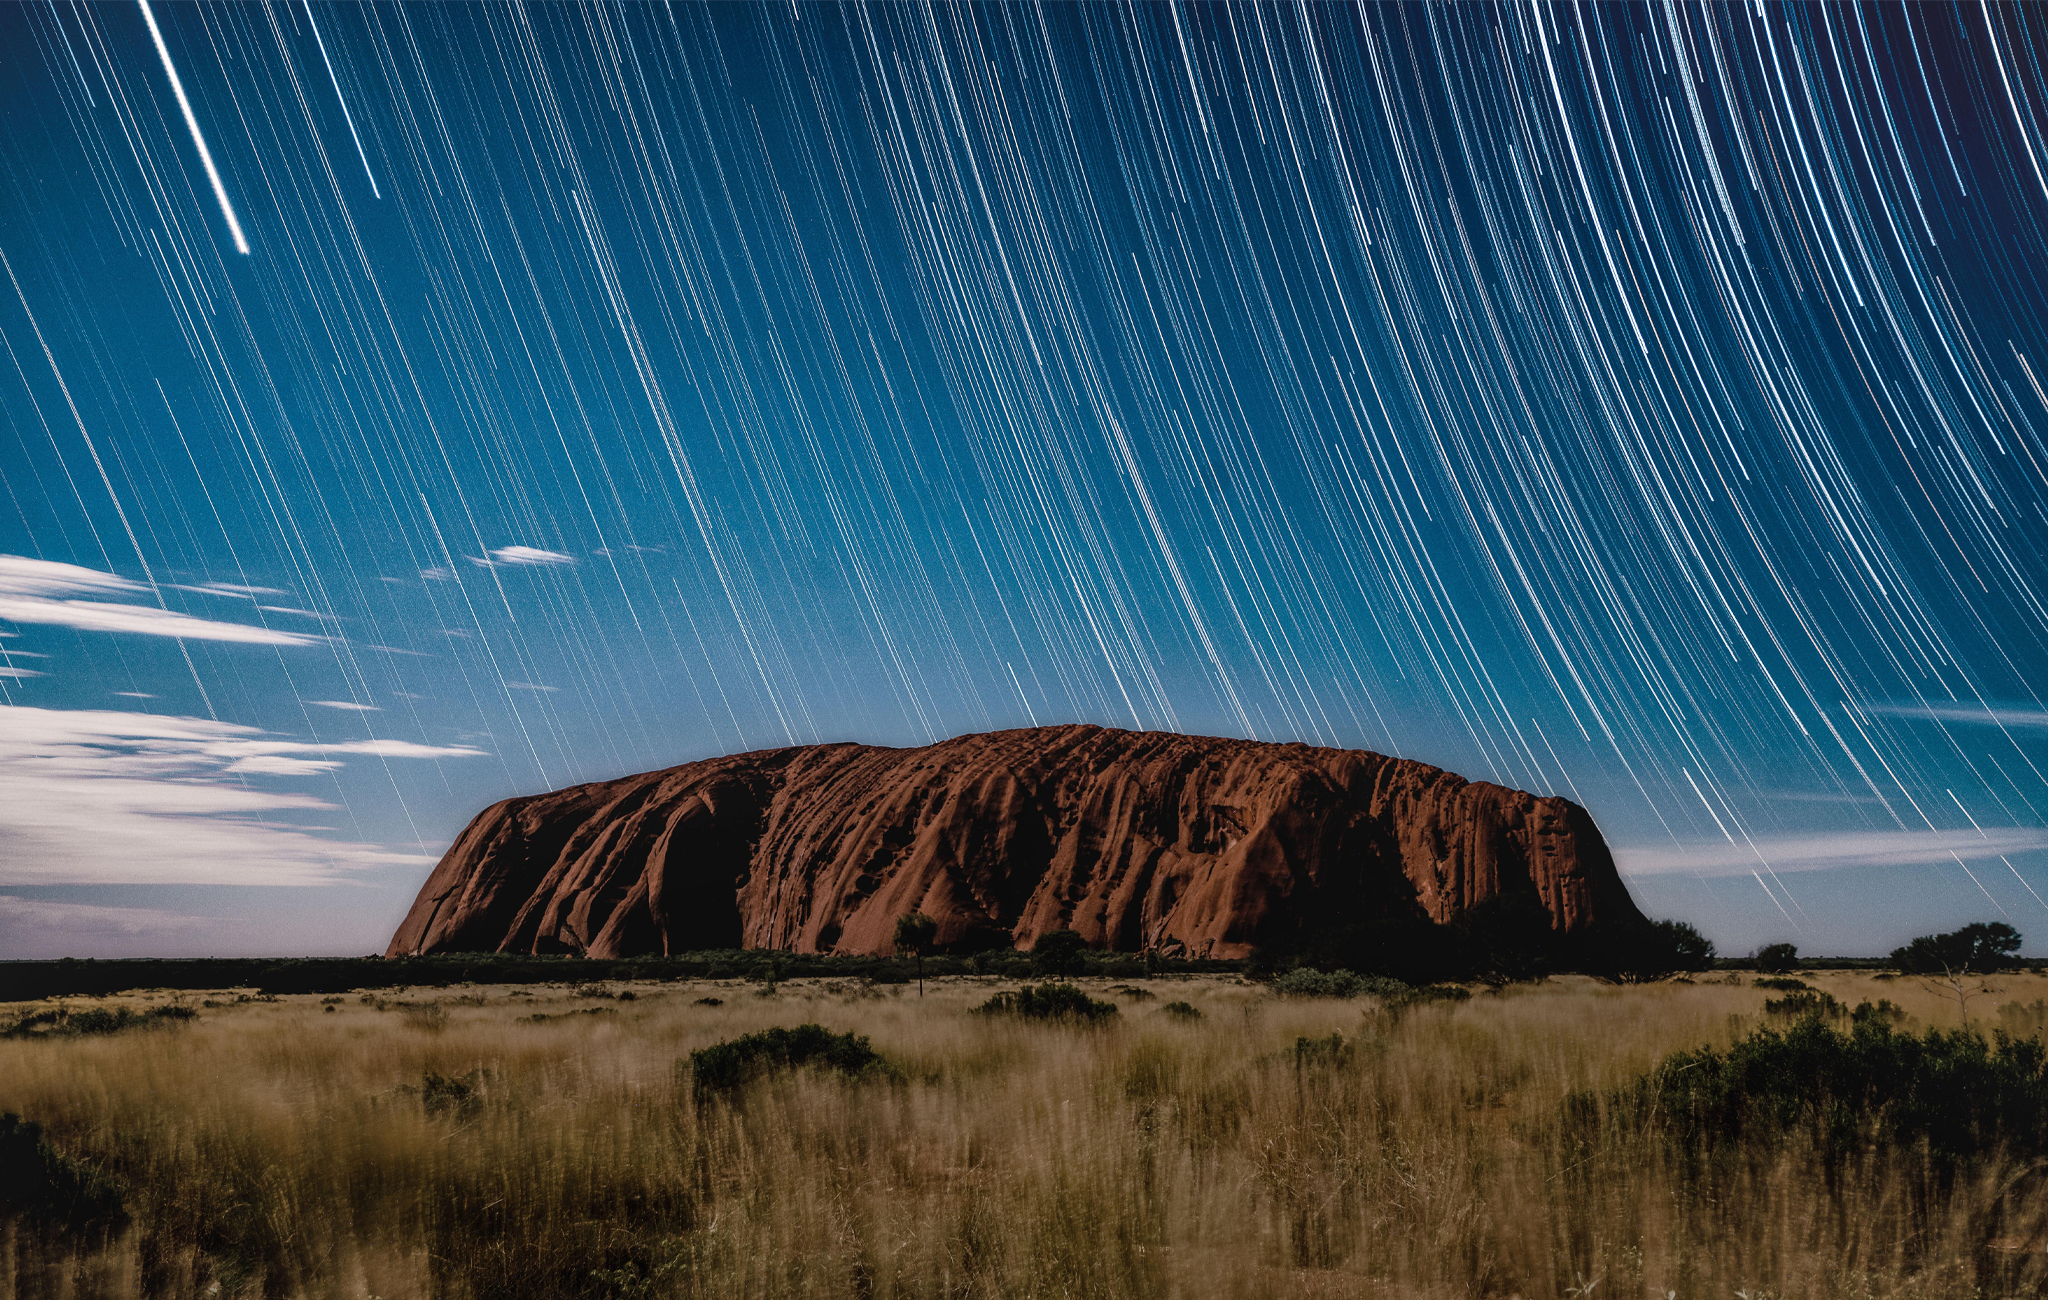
x=1132, y=838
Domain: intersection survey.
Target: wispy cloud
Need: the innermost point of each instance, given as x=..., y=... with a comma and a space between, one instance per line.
x=230, y=589
x=85, y=918
x=103, y=797
x=344, y=704
x=18, y=673
x=525, y=555
x=2008, y=715
x=529, y=686
x=44, y=592
x=1823, y=852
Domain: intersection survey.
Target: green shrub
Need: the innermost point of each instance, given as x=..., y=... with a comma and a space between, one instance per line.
x=1181, y=1011
x=1783, y=985
x=731, y=1065
x=48, y=1188
x=1047, y=1002
x=1884, y=1013
x=1872, y=1084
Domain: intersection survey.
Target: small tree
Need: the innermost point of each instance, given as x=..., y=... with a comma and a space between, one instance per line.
x=1775, y=958
x=1946, y=963
x=915, y=933
x=1980, y=949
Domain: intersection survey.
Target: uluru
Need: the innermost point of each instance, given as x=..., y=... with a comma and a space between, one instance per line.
x=1137, y=840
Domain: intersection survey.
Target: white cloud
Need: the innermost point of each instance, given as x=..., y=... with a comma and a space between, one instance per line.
x=1822, y=852
x=103, y=797
x=230, y=589
x=344, y=704
x=302, y=613
x=17, y=673
x=29, y=592
x=136, y=695
x=1995, y=714
x=22, y=576
x=522, y=555
x=438, y=574
x=278, y=765
x=529, y=686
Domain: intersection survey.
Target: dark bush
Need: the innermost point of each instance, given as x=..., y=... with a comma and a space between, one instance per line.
x=1783, y=985
x=1884, y=1013
x=1978, y=949
x=731, y=1065
x=1058, y=952
x=445, y=1094
x=1775, y=958
x=1047, y=1002
x=1848, y=1090
x=1181, y=1011
x=1333, y=1050
x=710, y=1002
x=1640, y=950
x=48, y=1188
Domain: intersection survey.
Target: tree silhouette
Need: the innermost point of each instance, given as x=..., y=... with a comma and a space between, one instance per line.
x=914, y=935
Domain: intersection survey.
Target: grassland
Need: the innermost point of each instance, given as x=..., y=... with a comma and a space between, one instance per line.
x=445, y=1143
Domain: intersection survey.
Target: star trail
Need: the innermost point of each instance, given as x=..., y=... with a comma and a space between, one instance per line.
x=409, y=406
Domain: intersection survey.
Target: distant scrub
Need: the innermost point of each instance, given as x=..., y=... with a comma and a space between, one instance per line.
x=1307, y=982
x=726, y=1067
x=1181, y=1011
x=63, y=1022
x=1048, y=1002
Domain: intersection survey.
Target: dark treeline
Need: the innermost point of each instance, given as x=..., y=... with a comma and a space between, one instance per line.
x=26, y=981
x=1494, y=943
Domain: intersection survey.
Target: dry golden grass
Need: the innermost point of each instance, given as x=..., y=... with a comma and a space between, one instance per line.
x=283, y=1149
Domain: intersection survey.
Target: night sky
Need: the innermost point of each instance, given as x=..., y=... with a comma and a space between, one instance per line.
x=407, y=407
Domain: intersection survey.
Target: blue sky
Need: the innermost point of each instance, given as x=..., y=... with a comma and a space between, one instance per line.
x=1636, y=404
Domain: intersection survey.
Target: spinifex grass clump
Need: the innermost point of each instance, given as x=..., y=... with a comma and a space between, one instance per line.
x=95, y=1020
x=1048, y=1002
x=728, y=1066
x=1871, y=1085
x=1805, y=1002
x=42, y=1185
